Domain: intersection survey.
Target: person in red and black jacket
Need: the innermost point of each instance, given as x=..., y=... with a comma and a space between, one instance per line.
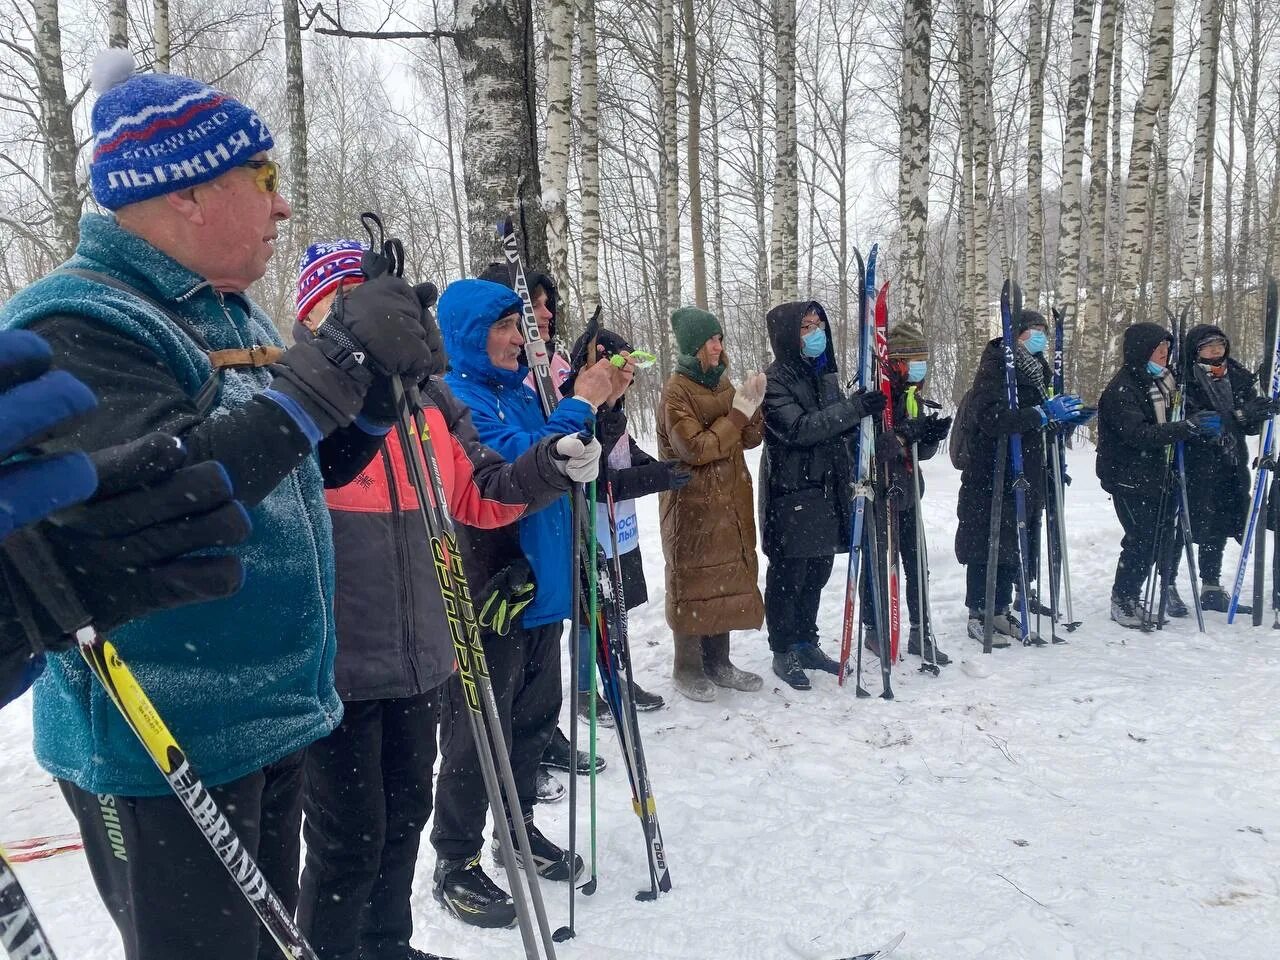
x=367, y=794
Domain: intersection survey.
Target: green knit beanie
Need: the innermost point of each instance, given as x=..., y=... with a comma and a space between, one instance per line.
x=694, y=327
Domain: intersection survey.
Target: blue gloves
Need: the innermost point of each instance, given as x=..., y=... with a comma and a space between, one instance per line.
x=1207, y=423
x=1060, y=409
x=35, y=402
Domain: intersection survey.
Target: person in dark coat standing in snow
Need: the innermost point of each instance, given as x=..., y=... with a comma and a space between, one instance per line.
x=708, y=526
x=1218, y=467
x=367, y=790
x=1134, y=460
x=908, y=367
x=630, y=473
x=991, y=422
x=806, y=482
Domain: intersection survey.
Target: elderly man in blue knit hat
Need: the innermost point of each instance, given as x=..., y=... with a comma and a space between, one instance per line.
x=151, y=313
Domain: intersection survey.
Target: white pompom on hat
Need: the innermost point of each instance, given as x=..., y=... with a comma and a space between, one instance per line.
x=113, y=65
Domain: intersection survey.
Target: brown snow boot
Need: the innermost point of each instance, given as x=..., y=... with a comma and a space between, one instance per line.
x=687, y=673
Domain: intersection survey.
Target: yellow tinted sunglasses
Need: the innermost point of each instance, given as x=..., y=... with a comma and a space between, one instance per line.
x=266, y=174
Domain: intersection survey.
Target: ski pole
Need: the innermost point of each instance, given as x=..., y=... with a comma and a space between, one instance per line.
x=473, y=668
x=928, y=664
x=40, y=570
x=994, y=531
x=21, y=935
x=1184, y=519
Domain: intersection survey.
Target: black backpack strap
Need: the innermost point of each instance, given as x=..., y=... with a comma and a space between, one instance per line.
x=208, y=392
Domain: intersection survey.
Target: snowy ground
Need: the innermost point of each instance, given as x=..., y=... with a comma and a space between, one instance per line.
x=1113, y=798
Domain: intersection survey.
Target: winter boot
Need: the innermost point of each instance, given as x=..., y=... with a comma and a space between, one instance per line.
x=787, y=668
x=551, y=862
x=556, y=756
x=414, y=954
x=812, y=657
x=688, y=674
x=1127, y=612
x=870, y=639
x=1010, y=626
x=644, y=700
x=1173, y=605
x=604, y=716
x=931, y=652
x=1034, y=606
x=977, y=630
x=549, y=789
x=1213, y=597
x=465, y=890
x=715, y=659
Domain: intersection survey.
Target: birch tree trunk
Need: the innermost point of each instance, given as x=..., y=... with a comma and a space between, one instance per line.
x=1228, y=227
x=589, y=150
x=693, y=154
x=1161, y=241
x=1094, y=332
x=296, y=104
x=118, y=24
x=1070, y=219
x=980, y=82
x=913, y=170
x=1202, y=159
x=1141, y=155
x=717, y=252
x=973, y=324
x=1035, y=153
x=499, y=149
x=1115, y=215
x=160, y=32
x=555, y=181
x=784, y=241
x=59, y=133
x=669, y=170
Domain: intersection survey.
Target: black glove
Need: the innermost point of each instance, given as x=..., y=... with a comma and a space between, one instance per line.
x=325, y=380
x=934, y=429
x=678, y=474
x=505, y=596
x=869, y=403
x=123, y=554
x=1261, y=409
x=427, y=294
x=384, y=318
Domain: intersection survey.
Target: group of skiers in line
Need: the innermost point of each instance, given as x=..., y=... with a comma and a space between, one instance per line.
x=244, y=524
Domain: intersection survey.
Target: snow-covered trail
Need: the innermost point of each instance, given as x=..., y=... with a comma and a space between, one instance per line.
x=1113, y=797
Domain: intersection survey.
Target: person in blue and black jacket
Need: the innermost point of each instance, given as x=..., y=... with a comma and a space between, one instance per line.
x=480, y=321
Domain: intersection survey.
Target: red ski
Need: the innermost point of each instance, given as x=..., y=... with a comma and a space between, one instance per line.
x=890, y=513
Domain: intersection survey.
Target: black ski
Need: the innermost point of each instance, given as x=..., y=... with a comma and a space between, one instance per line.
x=21, y=935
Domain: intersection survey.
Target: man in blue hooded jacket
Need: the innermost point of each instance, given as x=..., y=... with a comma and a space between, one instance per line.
x=481, y=325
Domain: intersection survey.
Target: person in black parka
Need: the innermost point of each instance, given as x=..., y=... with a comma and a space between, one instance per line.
x=1133, y=462
x=806, y=482
x=991, y=422
x=1218, y=467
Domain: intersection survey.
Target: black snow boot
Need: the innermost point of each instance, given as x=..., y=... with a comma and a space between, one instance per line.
x=931, y=652
x=556, y=756
x=1173, y=605
x=548, y=788
x=786, y=666
x=1213, y=597
x=551, y=862
x=604, y=716
x=646, y=701
x=465, y=890
x=812, y=657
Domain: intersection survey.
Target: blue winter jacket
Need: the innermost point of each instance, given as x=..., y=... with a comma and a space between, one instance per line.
x=508, y=417
x=241, y=682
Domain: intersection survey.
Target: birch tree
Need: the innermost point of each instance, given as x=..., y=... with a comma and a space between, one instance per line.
x=589, y=151
x=693, y=154
x=295, y=97
x=1203, y=156
x=160, y=34
x=1035, y=151
x=784, y=241
x=559, y=97
x=118, y=24
x=668, y=168
x=1137, y=195
x=913, y=170
x=976, y=93
x=1070, y=220
x=56, y=124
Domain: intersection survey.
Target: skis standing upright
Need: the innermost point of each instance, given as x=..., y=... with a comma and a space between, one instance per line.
x=1060, y=563
x=21, y=936
x=857, y=516
x=1015, y=462
x=1266, y=461
x=929, y=660
x=1265, y=375
x=892, y=493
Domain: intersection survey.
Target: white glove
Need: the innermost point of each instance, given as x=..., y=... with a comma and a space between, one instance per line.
x=750, y=395
x=579, y=461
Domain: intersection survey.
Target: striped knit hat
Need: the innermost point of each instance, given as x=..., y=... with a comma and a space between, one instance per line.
x=154, y=133
x=323, y=268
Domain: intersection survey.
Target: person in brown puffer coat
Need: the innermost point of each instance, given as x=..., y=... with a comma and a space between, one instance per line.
x=708, y=527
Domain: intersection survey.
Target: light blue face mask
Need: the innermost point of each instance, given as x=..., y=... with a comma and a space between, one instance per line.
x=916, y=370
x=1037, y=341
x=814, y=343
x=1154, y=368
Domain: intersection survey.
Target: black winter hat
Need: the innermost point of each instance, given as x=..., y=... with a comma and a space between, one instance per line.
x=1029, y=319
x=500, y=272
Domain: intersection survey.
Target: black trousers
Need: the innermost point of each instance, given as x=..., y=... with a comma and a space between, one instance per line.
x=907, y=554
x=367, y=798
x=165, y=888
x=524, y=668
x=1211, y=561
x=1139, y=513
x=792, y=588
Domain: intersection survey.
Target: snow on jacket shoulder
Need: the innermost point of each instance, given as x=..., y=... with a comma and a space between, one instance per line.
x=508, y=418
x=241, y=682
x=393, y=636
